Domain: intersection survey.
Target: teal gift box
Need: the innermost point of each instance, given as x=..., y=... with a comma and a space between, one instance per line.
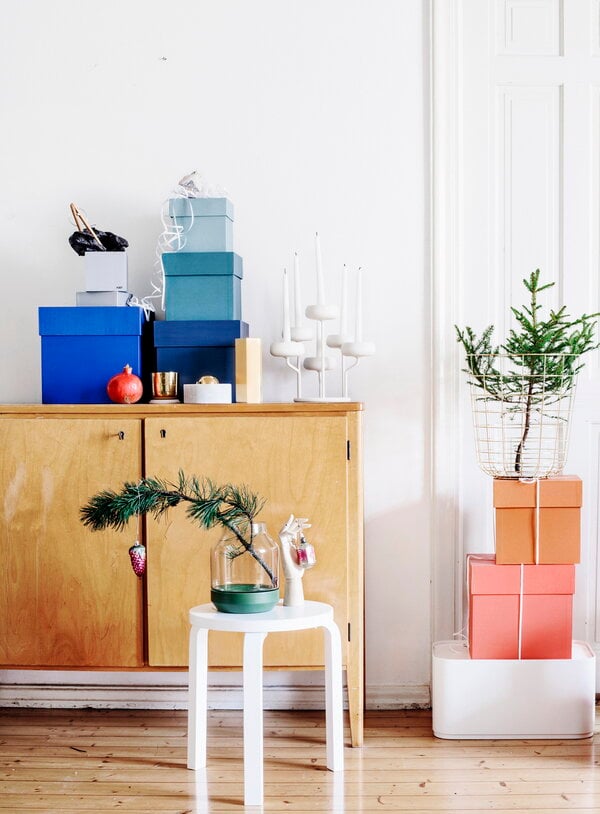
x=207, y=223
x=202, y=285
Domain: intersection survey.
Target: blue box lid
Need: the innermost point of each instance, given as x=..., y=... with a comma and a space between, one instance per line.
x=108, y=320
x=199, y=333
x=194, y=264
x=200, y=207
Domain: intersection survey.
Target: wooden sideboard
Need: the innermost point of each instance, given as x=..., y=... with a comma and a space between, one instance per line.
x=69, y=598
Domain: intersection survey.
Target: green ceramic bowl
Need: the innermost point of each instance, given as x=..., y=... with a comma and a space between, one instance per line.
x=242, y=598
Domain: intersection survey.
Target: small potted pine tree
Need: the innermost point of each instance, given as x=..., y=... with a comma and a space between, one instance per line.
x=522, y=390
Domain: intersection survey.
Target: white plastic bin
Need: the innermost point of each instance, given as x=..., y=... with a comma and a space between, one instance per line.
x=508, y=698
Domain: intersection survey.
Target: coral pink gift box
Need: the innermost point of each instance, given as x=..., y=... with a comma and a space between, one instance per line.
x=519, y=611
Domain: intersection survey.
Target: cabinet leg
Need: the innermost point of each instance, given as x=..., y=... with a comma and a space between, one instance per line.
x=253, y=718
x=198, y=699
x=354, y=677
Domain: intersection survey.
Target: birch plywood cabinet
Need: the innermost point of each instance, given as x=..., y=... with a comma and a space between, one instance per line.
x=304, y=459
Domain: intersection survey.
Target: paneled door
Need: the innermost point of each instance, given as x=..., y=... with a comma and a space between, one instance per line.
x=298, y=464
x=68, y=597
x=517, y=145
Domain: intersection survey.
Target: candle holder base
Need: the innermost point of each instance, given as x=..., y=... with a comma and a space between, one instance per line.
x=323, y=400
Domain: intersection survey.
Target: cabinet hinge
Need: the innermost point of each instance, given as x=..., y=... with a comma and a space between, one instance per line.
x=348, y=450
x=349, y=637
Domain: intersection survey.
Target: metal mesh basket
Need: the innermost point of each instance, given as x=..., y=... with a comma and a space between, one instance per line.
x=521, y=410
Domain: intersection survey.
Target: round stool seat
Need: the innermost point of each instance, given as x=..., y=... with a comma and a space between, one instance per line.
x=308, y=615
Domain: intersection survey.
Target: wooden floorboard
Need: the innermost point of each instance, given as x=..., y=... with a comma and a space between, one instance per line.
x=63, y=761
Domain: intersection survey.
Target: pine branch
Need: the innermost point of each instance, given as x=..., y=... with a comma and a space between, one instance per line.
x=207, y=505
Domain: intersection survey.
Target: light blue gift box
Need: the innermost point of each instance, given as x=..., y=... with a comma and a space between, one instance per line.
x=207, y=223
x=203, y=285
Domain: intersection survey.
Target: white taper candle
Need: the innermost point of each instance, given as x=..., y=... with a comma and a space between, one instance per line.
x=344, y=303
x=297, y=298
x=358, y=328
x=320, y=283
x=286, y=308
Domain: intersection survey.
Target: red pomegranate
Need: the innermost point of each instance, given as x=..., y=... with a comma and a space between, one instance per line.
x=125, y=387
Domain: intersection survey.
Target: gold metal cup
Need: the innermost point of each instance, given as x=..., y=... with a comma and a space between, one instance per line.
x=164, y=385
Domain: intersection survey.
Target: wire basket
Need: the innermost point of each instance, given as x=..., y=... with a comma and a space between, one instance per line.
x=521, y=412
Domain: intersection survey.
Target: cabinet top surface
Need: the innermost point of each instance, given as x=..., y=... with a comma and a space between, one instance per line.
x=149, y=410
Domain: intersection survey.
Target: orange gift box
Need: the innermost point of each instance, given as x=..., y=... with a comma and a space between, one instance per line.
x=535, y=599
x=559, y=520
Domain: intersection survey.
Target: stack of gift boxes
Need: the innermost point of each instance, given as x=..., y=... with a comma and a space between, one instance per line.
x=203, y=301
x=84, y=346
x=521, y=599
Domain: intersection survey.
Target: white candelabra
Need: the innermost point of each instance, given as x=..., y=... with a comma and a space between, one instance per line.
x=292, y=345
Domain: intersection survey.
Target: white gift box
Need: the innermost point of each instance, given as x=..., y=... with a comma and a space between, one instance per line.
x=511, y=698
x=105, y=271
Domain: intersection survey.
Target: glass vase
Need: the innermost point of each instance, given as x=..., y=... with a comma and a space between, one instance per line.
x=245, y=571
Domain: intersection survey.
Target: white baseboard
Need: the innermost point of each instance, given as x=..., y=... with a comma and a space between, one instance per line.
x=142, y=696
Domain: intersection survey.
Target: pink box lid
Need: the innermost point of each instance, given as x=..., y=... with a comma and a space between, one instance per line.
x=485, y=577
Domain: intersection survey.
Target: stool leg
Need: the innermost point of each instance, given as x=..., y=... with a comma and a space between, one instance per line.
x=253, y=718
x=198, y=696
x=334, y=704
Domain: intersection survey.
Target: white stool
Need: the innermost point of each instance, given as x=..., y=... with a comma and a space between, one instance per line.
x=256, y=626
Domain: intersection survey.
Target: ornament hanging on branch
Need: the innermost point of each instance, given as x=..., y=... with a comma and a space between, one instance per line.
x=137, y=554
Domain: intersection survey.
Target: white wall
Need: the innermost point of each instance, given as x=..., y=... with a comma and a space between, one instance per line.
x=313, y=114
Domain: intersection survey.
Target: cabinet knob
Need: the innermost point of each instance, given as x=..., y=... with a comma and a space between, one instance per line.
x=163, y=433
x=121, y=435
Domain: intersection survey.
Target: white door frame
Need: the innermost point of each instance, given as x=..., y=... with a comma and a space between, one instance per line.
x=447, y=571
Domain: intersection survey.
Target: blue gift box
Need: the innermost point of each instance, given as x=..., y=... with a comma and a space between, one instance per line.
x=198, y=348
x=203, y=285
x=83, y=347
x=207, y=223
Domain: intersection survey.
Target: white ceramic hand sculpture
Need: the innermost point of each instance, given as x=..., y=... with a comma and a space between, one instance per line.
x=293, y=572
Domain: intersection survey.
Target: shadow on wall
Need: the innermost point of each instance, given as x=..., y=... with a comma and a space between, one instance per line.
x=398, y=595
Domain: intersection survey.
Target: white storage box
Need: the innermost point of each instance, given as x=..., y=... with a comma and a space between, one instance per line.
x=509, y=699
x=101, y=298
x=105, y=271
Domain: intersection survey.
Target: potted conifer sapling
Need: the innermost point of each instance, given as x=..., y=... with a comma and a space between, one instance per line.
x=522, y=390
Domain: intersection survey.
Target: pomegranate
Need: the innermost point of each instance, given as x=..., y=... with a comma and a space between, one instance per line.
x=125, y=387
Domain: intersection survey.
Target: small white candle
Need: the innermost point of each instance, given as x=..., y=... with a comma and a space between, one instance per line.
x=320, y=284
x=297, y=298
x=344, y=304
x=286, y=308
x=358, y=328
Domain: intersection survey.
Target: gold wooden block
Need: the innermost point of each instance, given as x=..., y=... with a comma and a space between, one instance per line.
x=248, y=371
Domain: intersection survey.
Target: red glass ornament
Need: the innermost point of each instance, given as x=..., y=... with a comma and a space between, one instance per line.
x=137, y=554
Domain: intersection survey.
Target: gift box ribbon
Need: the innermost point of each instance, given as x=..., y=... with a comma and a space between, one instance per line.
x=536, y=547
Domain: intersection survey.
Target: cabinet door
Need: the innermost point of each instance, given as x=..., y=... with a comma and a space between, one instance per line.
x=299, y=464
x=68, y=597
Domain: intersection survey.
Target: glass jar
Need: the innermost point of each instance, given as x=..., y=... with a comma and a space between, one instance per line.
x=245, y=578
